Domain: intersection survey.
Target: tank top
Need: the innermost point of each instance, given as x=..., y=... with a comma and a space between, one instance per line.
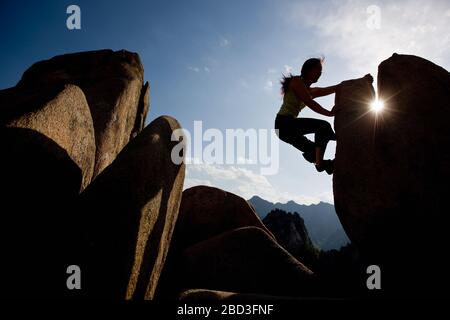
x=291, y=106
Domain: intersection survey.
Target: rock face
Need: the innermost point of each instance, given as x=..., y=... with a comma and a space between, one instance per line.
x=67, y=120
x=246, y=260
x=83, y=183
x=113, y=85
x=290, y=231
x=61, y=113
x=355, y=156
x=142, y=111
x=220, y=243
x=197, y=295
x=208, y=211
x=392, y=170
x=129, y=213
x=39, y=183
x=48, y=156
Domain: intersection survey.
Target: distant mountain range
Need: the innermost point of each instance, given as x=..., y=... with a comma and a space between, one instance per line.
x=290, y=231
x=321, y=221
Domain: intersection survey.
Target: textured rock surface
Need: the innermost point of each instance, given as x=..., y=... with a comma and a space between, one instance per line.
x=80, y=116
x=392, y=170
x=355, y=157
x=39, y=183
x=112, y=82
x=129, y=213
x=61, y=113
x=246, y=260
x=48, y=156
x=142, y=111
x=191, y=295
x=207, y=211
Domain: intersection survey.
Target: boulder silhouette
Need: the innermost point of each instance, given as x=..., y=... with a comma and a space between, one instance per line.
x=61, y=113
x=48, y=156
x=208, y=211
x=245, y=260
x=204, y=213
x=202, y=295
x=40, y=182
x=218, y=242
x=354, y=125
x=112, y=82
x=392, y=170
x=61, y=126
x=84, y=183
x=128, y=214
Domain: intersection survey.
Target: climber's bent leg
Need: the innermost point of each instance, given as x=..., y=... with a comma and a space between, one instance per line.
x=319, y=155
x=306, y=146
x=323, y=135
x=291, y=130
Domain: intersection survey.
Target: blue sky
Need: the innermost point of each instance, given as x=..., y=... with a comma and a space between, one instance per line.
x=220, y=62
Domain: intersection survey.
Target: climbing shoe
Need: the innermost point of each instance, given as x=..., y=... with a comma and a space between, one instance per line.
x=327, y=165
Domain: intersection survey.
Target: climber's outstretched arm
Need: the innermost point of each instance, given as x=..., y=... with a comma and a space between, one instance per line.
x=303, y=94
x=320, y=92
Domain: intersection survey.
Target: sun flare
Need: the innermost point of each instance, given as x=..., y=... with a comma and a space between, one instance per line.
x=377, y=105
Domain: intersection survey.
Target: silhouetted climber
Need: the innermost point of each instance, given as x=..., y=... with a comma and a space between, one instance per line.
x=297, y=94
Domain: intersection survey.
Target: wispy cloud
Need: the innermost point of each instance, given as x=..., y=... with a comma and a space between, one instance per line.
x=198, y=69
x=224, y=42
x=194, y=69
x=245, y=183
x=411, y=27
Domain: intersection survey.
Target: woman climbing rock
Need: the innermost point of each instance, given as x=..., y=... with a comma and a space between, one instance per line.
x=297, y=93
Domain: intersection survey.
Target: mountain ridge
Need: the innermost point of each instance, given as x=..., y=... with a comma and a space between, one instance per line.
x=321, y=220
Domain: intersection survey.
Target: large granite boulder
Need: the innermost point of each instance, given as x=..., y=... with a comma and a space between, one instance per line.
x=246, y=260
x=40, y=182
x=112, y=82
x=205, y=212
x=61, y=113
x=202, y=295
x=208, y=211
x=355, y=156
x=128, y=214
x=48, y=156
x=392, y=170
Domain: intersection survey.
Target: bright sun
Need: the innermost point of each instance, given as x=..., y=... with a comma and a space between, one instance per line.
x=377, y=105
